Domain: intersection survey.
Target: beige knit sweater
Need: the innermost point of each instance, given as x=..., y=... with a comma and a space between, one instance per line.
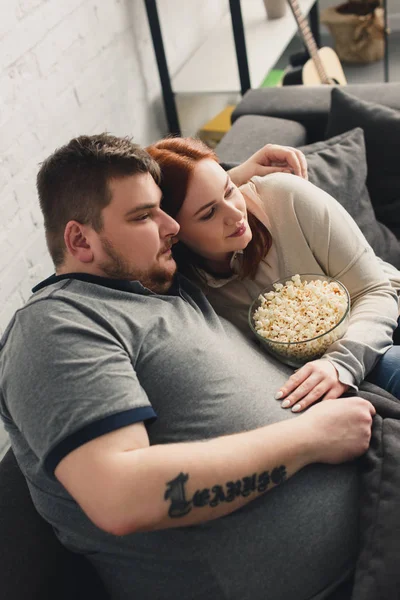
x=312, y=233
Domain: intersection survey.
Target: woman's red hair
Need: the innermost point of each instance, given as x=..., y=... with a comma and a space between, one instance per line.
x=178, y=158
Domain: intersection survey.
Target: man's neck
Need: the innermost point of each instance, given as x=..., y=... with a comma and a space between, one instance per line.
x=84, y=268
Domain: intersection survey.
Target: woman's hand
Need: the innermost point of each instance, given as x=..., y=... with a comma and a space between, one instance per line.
x=271, y=159
x=316, y=380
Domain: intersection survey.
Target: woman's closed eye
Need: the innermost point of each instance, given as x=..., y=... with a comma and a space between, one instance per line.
x=229, y=191
x=212, y=210
x=209, y=214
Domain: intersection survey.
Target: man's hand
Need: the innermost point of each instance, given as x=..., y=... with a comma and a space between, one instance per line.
x=315, y=380
x=271, y=159
x=340, y=430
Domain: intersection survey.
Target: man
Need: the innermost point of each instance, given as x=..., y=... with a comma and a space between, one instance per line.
x=140, y=419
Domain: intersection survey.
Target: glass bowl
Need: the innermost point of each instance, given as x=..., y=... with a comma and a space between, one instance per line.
x=296, y=354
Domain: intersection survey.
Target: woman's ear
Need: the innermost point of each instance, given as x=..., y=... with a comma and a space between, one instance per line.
x=77, y=242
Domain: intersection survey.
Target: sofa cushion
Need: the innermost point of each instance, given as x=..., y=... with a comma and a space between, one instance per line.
x=381, y=126
x=250, y=133
x=339, y=167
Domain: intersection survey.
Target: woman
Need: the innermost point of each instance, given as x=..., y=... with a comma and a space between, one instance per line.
x=234, y=242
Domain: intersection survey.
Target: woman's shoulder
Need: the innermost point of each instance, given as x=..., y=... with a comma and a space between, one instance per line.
x=290, y=190
x=284, y=192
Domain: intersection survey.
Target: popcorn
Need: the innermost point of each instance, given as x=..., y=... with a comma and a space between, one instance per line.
x=298, y=311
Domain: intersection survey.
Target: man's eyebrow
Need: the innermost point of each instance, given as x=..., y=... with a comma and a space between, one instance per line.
x=212, y=201
x=137, y=209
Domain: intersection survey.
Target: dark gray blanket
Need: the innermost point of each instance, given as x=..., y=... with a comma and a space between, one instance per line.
x=377, y=575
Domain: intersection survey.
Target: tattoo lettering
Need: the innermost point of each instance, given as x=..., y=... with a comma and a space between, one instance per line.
x=278, y=475
x=219, y=495
x=250, y=484
x=201, y=498
x=263, y=482
x=234, y=489
x=176, y=493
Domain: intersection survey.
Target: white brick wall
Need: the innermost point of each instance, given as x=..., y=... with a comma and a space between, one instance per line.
x=69, y=67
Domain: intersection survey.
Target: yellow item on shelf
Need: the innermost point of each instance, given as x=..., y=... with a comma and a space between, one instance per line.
x=213, y=131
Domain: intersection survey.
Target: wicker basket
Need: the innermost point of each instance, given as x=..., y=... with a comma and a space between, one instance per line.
x=358, y=38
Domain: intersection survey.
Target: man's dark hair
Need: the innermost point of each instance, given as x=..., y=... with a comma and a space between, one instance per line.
x=73, y=182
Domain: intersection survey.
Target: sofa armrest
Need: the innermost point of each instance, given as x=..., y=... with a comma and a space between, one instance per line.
x=251, y=132
x=309, y=105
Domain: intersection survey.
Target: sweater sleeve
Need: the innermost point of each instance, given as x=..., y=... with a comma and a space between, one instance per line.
x=342, y=251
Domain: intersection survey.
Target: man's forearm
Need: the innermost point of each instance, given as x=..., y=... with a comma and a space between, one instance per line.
x=124, y=485
x=175, y=485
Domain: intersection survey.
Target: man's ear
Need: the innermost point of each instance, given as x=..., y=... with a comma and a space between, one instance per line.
x=77, y=242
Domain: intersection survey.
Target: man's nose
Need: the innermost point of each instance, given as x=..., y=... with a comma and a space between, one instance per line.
x=169, y=227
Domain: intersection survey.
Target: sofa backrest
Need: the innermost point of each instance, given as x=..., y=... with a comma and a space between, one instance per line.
x=309, y=105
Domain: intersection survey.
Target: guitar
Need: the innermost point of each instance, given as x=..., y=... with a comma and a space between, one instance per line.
x=324, y=65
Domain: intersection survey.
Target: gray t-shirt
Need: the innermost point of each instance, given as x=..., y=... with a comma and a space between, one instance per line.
x=87, y=356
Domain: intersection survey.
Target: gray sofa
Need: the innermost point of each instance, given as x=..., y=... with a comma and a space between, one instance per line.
x=351, y=138
x=292, y=115
x=33, y=564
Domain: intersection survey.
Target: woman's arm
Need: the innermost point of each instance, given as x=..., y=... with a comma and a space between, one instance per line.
x=342, y=252
x=270, y=159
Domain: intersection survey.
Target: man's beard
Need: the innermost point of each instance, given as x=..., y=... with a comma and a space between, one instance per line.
x=157, y=279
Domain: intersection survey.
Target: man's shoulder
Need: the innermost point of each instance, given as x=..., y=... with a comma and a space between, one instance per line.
x=42, y=313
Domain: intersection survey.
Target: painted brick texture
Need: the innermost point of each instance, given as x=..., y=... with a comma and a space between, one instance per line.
x=69, y=67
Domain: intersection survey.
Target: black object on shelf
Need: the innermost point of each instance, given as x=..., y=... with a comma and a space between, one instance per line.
x=299, y=58
x=314, y=23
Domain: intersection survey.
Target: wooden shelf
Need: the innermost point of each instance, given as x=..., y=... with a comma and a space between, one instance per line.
x=213, y=69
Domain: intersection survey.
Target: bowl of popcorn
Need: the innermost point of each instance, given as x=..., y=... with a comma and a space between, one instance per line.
x=297, y=318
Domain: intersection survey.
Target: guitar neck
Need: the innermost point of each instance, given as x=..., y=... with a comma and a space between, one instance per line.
x=309, y=41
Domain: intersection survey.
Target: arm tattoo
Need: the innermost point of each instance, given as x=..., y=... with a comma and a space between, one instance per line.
x=251, y=484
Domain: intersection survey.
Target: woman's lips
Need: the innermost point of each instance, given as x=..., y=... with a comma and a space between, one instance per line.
x=239, y=231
